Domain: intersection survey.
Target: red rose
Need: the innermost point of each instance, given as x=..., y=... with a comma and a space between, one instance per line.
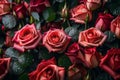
x=111, y=63
x=4, y=7
x=80, y=13
x=51, y=25
x=56, y=40
x=4, y=67
x=88, y=56
x=26, y=38
x=93, y=4
x=38, y=5
x=103, y=21
x=91, y=37
x=21, y=10
x=115, y=26
x=47, y=70
x=76, y=72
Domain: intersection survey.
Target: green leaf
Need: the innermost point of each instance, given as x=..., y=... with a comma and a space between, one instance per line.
x=17, y=68
x=110, y=36
x=44, y=54
x=11, y=52
x=49, y=14
x=25, y=59
x=35, y=15
x=24, y=77
x=9, y=21
x=64, y=61
x=60, y=1
x=73, y=32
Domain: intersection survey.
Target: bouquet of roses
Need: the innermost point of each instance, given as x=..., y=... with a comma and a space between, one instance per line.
x=59, y=40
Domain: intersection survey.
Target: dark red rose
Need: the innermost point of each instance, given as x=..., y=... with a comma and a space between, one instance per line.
x=76, y=72
x=56, y=40
x=80, y=13
x=4, y=67
x=27, y=37
x=115, y=26
x=47, y=70
x=111, y=63
x=87, y=56
x=21, y=10
x=39, y=5
x=103, y=21
x=51, y=25
x=4, y=7
x=8, y=41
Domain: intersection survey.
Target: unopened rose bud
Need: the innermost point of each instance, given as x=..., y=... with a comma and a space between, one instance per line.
x=64, y=12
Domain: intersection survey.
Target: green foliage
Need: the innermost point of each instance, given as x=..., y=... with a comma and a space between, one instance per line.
x=49, y=14
x=64, y=61
x=9, y=21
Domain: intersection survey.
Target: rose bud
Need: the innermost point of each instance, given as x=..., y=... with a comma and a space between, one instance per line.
x=80, y=13
x=89, y=57
x=4, y=7
x=47, y=70
x=55, y=40
x=111, y=63
x=76, y=72
x=8, y=41
x=115, y=26
x=91, y=37
x=4, y=67
x=39, y=5
x=26, y=38
x=103, y=21
x=21, y=10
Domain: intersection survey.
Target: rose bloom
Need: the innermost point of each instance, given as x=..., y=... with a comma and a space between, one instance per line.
x=103, y=21
x=4, y=67
x=39, y=5
x=91, y=37
x=94, y=4
x=111, y=63
x=4, y=7
x=55, y=40
x=115, y=26
x=21, y=10
x=76, y=72
x=87, y=56
x=47, y=70
x=80, y=13
x=26, y=38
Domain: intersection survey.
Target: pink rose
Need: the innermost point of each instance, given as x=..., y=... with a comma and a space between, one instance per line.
x=47, y=70
x=115, y=26
x=80, y=13
x=111, y=63
x=26, y=38
x=76, y=72
x=4, y=7
x=103, y=21
x=21, y=10
x=93, y=4
x=91, y=37
x=4, y=67
x=39, y=5
x=87, y=56
x=55, y=40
